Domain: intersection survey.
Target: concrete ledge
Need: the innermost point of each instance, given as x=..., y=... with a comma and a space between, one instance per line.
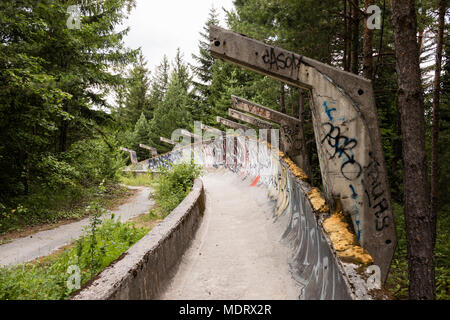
x=143, y=271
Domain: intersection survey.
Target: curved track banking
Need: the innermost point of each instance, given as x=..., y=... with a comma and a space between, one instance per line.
x=236, y=252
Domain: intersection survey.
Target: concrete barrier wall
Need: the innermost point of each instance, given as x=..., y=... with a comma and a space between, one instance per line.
x=326, y=258
x=144, y=270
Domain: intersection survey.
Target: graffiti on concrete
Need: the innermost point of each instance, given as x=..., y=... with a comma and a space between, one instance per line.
x=344, y=117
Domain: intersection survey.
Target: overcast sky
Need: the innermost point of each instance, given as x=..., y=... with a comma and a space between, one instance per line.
x=161, y=26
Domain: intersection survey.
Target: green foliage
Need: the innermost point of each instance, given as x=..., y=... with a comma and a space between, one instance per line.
x=171, y=114
x=173, y=186
x=135, y=99
x=138, y=180
x=46, y=207
x=48, y=73
x=397, y=281
x=140, y=135
x=47, y=279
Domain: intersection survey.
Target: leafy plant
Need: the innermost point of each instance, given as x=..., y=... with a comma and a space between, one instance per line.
x=46, y=279
x=174, y=184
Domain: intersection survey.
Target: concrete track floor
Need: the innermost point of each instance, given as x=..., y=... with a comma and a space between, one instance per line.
x=236, y=253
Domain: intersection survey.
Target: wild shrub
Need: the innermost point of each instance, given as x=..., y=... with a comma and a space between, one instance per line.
x=174, y=184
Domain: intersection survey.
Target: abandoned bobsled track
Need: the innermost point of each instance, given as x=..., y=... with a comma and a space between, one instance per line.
x=251, y=228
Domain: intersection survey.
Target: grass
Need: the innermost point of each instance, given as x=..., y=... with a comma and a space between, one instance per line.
x=46, y=208
x=397, y=281
x=48, y=278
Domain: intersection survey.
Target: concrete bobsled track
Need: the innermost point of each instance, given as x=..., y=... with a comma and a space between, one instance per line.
x=251, y=228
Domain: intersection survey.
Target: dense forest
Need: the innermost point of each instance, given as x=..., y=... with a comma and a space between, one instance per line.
x=60, y=130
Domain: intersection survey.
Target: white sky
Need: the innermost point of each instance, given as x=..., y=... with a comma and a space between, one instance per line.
x=161, y=26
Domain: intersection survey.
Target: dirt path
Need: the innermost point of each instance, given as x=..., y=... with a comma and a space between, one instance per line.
x=236, y=253
x=45, y=242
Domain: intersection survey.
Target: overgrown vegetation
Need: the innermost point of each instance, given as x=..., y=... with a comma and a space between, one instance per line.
x=48, y=278
x=59, y=138
x=173, y=185
x=53, y=207
x=138, y=179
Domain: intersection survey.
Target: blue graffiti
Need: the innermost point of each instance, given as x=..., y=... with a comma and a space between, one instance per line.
x=355, y=207
x=328, y=110
x=354, y=194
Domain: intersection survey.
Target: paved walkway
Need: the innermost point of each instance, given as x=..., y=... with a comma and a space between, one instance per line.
x=236, y=253
x=45, y=242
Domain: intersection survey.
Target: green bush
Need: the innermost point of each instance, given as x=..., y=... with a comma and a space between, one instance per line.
x=46, y=207
x=173, y=185
x=95, y=161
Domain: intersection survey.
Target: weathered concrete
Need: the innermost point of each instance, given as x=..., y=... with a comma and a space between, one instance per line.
x=232, y=124
x=323, y=264
x=144, y=270
x=291, y=134
x=190, y=134
x=168, y=141
x=236, y=246
x=152, y=150
x=133, y=156
x=43, y=243
x=261, y=124
x=213, y=130
x=346, y=129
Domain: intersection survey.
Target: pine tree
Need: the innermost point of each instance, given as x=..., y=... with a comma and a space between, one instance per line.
x=141, y=134
x=137, y=100
x=411, y=103
x=181, y=70
x=160, y=83
x=171, y=114
x=203, y=69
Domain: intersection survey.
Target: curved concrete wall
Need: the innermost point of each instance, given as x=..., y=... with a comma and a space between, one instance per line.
x=326, y=258
x=144, y=269
x=327, y=264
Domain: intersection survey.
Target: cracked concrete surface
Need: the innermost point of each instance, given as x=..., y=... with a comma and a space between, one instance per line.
x=236, y=253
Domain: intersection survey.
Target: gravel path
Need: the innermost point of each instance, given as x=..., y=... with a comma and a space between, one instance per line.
x=44, y=243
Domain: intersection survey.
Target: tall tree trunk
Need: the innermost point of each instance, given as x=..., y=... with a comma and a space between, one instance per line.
x=380, y=49
x=282, y=98
x=367, y=44
x=355, y=36
x=435, y=128
x=411, y=103
x=421, y=27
